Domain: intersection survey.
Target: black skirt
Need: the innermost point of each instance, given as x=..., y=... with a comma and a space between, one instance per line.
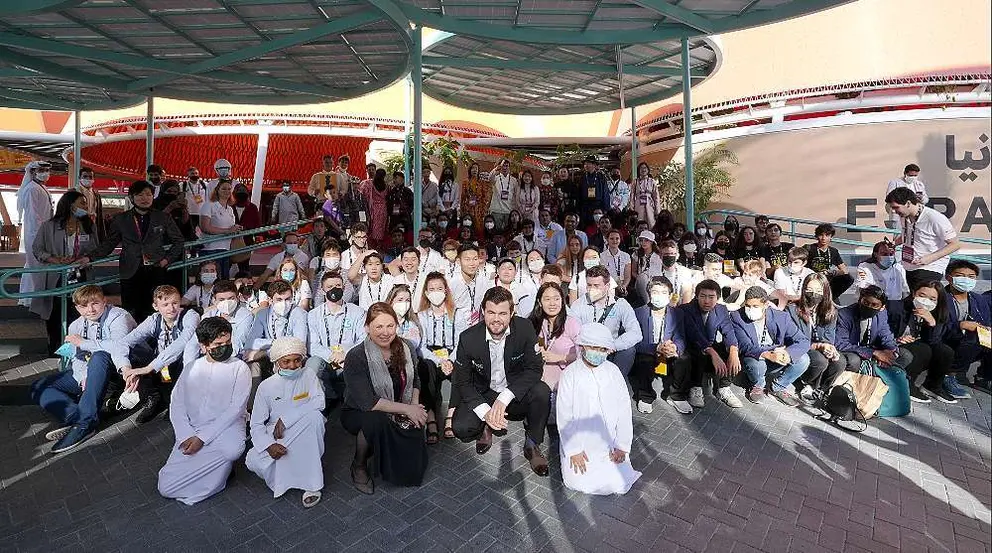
x=399, y=455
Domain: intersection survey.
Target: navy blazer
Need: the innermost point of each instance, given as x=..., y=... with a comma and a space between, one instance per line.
x=673, y=331
x=825, y=333
x=701, y=336
x=781, y=329
x=849, y=333
x=978, y=311
x=900, y=318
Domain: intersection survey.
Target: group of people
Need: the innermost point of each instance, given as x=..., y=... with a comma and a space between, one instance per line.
x=569, y=326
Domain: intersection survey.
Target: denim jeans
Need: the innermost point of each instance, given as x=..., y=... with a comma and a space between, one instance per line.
x=61, y=395
x=756, y=370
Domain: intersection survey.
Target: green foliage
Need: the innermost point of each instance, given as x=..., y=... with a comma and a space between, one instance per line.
x=447, y=153
x=710, y=174
x=570, y=156
x=394, y=162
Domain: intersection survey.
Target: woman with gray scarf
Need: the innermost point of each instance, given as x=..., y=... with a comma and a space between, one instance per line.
x=382, y=404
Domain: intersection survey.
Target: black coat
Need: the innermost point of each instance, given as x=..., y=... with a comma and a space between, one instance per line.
x=521, y=360
x=139, y=245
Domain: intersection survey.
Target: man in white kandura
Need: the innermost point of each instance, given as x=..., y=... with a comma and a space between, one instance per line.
x=286, y=426
x=594, y=419
x=208, y=416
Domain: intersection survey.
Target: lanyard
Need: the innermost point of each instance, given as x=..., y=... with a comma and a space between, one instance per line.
x=137, y=228
x=427, y=257
x=167, y=333
x=905, y=229
x=327, y=327
x=500, y=181
x=74, y=247
x=99, y=327
x=443, y=321
x=606, y=312
x=528, y=199
x=272, y=325
x=378, y=293
x=471, y=294
x=661, y=327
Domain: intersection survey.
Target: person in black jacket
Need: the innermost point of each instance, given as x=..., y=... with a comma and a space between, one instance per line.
x=498, y=374
x=919, y=326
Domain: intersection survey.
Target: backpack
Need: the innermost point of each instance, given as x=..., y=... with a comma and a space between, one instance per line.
x=839, y=404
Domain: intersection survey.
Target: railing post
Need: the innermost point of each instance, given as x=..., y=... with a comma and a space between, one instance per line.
x=792, y=231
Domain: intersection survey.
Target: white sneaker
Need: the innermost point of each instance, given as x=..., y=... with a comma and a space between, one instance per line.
x=681, y=406
x=644, y=407
x=728, y=397
x=696, y=397
x=58, y=434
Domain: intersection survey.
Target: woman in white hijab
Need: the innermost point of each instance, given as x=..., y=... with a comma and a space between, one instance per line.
x=594, y=419
x=34, y=207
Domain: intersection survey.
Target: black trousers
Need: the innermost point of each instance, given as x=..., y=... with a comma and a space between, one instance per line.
x=136, y=292
x=822, y=371
x=934, y=359
x=839, y=284
x=677, y=382
x=533, y=409
x=921, y=275
x=431, y=378
x=702, y=368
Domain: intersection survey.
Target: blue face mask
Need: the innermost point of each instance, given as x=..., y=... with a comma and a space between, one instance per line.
x=886, y=261
x=80, y=212
x=594, y=357
x=291, y=374
x=288, y=276
x=963, y=283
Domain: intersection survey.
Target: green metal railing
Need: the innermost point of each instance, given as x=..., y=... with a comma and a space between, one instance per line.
x=711, y=217
x=183, y=264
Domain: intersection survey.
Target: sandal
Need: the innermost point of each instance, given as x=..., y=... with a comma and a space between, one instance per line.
x=449, y=433
x=310, y=499
x=432, y=435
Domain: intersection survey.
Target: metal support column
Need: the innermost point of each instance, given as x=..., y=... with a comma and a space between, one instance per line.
x=633, y=148
x=150, y=132
x=258, y=178
x=418, y=115
x=77, y=147
x=690, y=185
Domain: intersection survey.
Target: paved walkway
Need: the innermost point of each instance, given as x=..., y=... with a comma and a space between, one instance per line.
x=761, y=478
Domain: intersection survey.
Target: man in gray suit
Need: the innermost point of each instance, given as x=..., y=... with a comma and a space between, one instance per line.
x=144, y=235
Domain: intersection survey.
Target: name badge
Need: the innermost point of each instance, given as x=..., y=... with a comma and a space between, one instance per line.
x=985, y=337
x=728, y=266
x=441, y=353
x=591, y=192
x=471, y=201
x=644, y=199
x=198, y=199
x=166, y=377
x=396, y=210
x=661, y=368
x=302, y=395
x=83, y=238
x=474, y=318
x=908, y=253
x=548, y=234
x=504, y=195
x=363, y=217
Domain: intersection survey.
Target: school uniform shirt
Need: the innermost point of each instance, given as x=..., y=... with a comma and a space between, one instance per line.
x=527, y=244
x=440, y=332
x=100, y=335
x=561, y=242
x=221, y=216
x=468, y=294
x=928, y=234
x=327, y=330
x=615, y=316
x=681, y=278
x=892, y=280
x=241, y=321
x=615, y=263
x=175, y=342
x=373, y=292
x=199, y=295
x=267, y=326
x=416, y=284
x=791, y=284
x=300, y=257
x=196, y=196
x=505, y=189
x=349, y=257
x=430, y=261
x=619, y=194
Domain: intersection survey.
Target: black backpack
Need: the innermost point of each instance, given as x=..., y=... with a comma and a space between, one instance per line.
x=839, y=404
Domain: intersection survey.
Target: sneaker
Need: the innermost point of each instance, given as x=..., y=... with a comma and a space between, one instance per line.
x=786, y=397
x=983, y=384
x=938, y=393
x=727, y=396
x=150, y=408
x=57, y=434
x=956, y=390
x=808, y=395
x=917, y=395
x=75, y=436
x=756, y=395
x=644, y=407
x=696, y=397
x=681, y=406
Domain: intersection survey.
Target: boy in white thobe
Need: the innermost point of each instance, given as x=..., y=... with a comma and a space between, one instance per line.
x=287, y=427
x=208, y=416
x=594, y=419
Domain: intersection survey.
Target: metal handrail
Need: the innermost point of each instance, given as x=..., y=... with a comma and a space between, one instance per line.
x=793, y=221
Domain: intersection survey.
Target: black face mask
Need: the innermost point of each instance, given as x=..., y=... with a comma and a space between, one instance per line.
x=722, y=245
x=221, y=353
x=867, y=312
x=812, y=298
x=335, y=294
x=669, y=260
x=194, y=179
x=426, y=242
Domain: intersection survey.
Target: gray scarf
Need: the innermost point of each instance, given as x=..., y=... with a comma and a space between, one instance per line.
x=382, y=383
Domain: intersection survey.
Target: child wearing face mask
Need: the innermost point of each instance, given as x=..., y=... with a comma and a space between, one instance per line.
x=790, y=277
x=662, y=352
x=201, y=295
x=883, y=270
x=227, y=305
x=969, y=318
x=280, y=319
x=919, y=324
x=208, y=418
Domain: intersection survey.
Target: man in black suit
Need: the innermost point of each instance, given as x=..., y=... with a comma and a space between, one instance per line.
x=143, y=234
x=498, y=374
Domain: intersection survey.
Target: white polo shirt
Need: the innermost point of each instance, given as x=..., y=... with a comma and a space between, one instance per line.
x=930, y=233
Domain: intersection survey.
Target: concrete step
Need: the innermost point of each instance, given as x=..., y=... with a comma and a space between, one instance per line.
x=17, y=374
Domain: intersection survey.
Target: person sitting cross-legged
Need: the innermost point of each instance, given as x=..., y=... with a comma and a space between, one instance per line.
x=286, y=425
x=769, y=342
x=498, y=371
x=282, y=318
x=208, y=416
x=863, y=333
x=712, y=343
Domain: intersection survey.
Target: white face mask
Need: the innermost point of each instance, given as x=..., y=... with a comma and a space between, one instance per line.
x=689, y=248
x=466, y=222
x=595, y=295
x=128, y=400
x=86, y=183
x=489, y=225
x=208, y=278
x=281, y=307
x=660, y=300
x=546, y=181
x=590, y=263
x=912, y=179
x=332, y=262
x=436, y=297
x=401, y=308
x=223, y=172
x=226, y=307
x=926, y=304
x=42, y=176
x=796, y=268
x=535, y=265
x=701, y=231
x=754, y=313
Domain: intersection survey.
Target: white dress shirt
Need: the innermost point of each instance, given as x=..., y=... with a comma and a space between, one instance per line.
x=497, y=375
